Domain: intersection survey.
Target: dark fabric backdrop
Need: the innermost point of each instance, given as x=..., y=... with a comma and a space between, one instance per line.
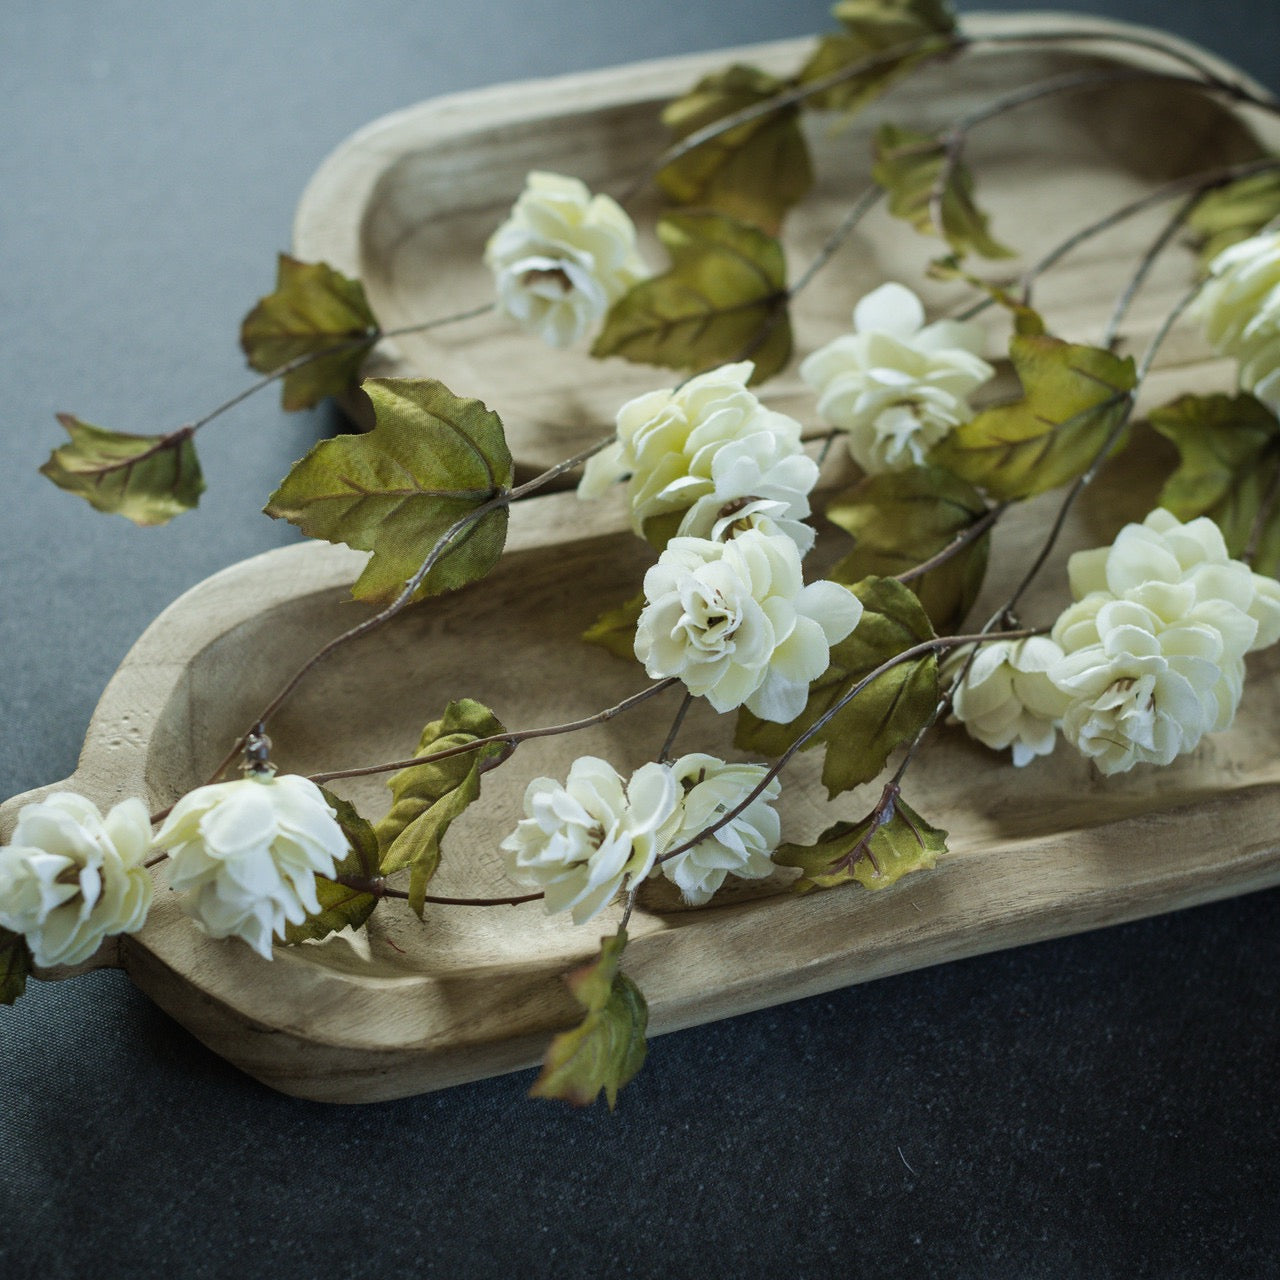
x=1099, y=1106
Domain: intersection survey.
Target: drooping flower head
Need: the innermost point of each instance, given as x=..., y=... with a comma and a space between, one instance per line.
x=737, y=624
x=895, y=385
x=70, y=877
x=247, y=852
x=562, y=258
x=579, y=840
x=710, y=450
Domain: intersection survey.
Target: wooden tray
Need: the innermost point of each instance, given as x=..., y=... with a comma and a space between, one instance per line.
x=1036, y=853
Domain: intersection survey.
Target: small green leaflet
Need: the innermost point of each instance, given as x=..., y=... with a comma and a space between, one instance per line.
x=430, y=459
x=724, y=299
x=888, y=712
x=15, y=965
x=340, y=905
x=313, y=310
x=899, y=519
x=1235, y=212
x=754, y=172
x=428, y=797
x=146, y=479
x=615, y=629
x=909, y=165
x=1073, y=398
x=607, y=1048
x=1229, y=467
x=876, y=852
x=872, y=27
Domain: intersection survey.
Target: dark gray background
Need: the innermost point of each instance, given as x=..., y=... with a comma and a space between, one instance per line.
x=1100, y=1106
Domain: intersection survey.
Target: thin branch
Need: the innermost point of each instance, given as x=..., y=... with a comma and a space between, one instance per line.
x=670, y=741
x=378, y=888
x=956, y=545
x=861, y=207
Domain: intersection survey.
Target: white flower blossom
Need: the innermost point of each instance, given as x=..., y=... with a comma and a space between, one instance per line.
x=1006, y=698
x=1239, y=306
x=736, y=623
x=708, y=449
x=743, y=846
x=71, y=877
x=1154, y=646
x=580, y=840
x=896, y=385
x=562, y=258
x=247, y=854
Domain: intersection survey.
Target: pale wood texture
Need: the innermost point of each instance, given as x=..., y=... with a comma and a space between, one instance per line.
x=1038, y=852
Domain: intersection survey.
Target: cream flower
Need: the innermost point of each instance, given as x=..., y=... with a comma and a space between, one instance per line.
x=1240, y=309
x=735, y=621
x=742, y=847
x=895, y=385
x=1006, y=698
x=705, y=447
x=578, y=842
x=71, y=877
x=562, y=258
x=247, y=854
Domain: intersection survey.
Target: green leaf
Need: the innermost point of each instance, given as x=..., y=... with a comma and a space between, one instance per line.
x=15, y=965
x=313, y=310
x=428, y=797
x=754, y=172
x=430, y=459
x=872, y=27
x=909, y=165
x=1230, y=463
x=1234, y=212
x=888, y=712
x=146, y=479
x=900, y=519
x=615, y=629
x=889, y=843
x=607, y=1048
x=341, y=905
x=724, y=299
x=1073, y=398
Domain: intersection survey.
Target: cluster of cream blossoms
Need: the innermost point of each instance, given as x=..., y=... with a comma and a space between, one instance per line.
x=244, y=853
x=581, y=841
x=1148, y=659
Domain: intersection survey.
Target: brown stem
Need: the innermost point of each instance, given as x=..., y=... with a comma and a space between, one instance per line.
x=861, y=207
x=670, y=741
x=378, y=887
x=956, y=545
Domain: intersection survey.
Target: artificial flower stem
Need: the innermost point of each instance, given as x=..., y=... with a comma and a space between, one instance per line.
x=956, y=545
x=669, y=742
x=378, y=887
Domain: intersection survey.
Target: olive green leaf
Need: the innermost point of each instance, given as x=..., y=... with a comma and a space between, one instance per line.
x=607, y=1048
x=146, y=479
x=1234, y=212
x=754, y=172
x=15, y=965
x=899, y=519
x=431, y=459
x=891, y=710
x=1228, y=470
x=615, y=629
x=872, y=27
x=341, y=905
x=909, y=166
x=428, y=797
x=886, y=845
x=314, y=310
x=1073, y=398
x=723, y=299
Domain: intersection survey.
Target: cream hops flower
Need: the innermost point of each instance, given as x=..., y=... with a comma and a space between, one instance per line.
x=578, y=842
x=735, y=621
x=562, y=258
x=706, y=449
x=1006, y=699
x=1240, y=309
x=895, y=385
x=742, y=847
x=71, y=877
x=247, y=854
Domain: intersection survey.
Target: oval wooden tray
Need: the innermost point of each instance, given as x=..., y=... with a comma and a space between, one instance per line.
x=409, y=1007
